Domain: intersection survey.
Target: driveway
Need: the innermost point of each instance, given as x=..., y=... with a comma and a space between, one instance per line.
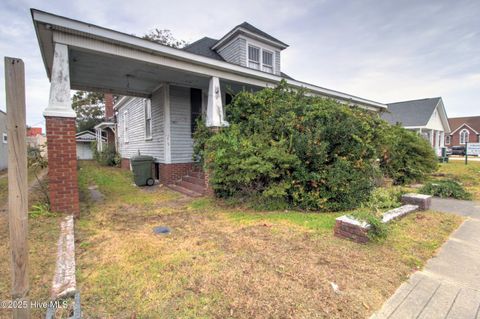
x=449, y=285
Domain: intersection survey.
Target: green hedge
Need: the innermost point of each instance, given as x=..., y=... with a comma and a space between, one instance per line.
x=284, y=148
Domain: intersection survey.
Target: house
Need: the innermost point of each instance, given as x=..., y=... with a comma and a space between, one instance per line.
x=165, y=90
x=425, y=116
x=85, y=141
x=464, y=129
x=36, y=139
x=4, y=141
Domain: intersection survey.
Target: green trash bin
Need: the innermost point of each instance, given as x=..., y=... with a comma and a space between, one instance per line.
x=142, y=170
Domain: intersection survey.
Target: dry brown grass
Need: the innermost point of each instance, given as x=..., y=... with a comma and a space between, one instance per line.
x=43, y=236
x=216, y=264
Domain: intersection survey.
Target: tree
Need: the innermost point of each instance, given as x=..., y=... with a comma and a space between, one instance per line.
x=164, y=37
x=89, y=107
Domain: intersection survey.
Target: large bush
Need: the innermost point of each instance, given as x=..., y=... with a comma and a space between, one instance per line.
x=404, y=155
x=108, y=156
x=285, y=148
x=446, y=188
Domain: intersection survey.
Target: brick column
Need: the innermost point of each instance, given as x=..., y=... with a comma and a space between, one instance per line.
x=61, y=142
x=62, y=164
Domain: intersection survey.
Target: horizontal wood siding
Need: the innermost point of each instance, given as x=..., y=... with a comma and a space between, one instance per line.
x=136, y=128
x=235, y=52
x=181, y=139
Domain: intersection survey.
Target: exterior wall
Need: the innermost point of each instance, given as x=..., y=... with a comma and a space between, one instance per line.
x=136, y=128
x=180, y=121
x=235, y=51
x=170, y=173
x=435, y=122
x=3, y=146
x=455, y=137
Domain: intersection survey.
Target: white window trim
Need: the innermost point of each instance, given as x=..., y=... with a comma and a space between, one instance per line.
x=447, y=139
x=467, y=136
x=125, y=126
x=4, y=138
x=148, y=106
x=260, y=58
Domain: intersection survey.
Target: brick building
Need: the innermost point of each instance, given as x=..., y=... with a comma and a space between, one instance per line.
x=464, y=129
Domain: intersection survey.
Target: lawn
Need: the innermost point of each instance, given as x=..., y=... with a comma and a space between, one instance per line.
x=468, y=175
x=221, y=261
x=43, y=236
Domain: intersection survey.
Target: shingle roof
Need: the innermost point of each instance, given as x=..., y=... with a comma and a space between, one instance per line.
x=251, y=28
x=203, y=47
x=472, y=121
x=411, y=113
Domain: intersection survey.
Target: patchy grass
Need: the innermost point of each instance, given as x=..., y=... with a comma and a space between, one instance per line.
x=224, y=262
x=43, y=235
x=467, y=175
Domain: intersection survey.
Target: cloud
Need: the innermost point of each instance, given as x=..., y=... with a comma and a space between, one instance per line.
x=381, y=50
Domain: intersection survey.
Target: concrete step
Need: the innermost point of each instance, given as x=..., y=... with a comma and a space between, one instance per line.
x=184, y=190
x=197, y=174
x=191, y=186
x=194, y=180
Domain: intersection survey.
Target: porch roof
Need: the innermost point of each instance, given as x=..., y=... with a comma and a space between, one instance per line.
x=105, y=60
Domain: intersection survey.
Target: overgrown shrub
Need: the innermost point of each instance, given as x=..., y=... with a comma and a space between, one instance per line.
x=107, y=157
x=404, y=155
x=286, y=148
x=446, y=188
x=384, y=198
x=378, y=230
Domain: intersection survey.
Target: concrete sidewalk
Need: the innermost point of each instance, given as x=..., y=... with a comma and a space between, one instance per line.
x=449, y=285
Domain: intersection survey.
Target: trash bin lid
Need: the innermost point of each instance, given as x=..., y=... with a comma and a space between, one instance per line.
x=141, y=158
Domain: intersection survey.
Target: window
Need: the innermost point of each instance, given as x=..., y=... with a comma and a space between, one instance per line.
x=195, y=108
x=4, y=138
x=267, y=59
x=254, y=57
x=447, y=140
x=125, y=126
x=464, y=136
x=148, y=118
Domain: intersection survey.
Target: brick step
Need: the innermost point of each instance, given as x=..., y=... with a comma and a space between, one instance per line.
x=191, y=186
x=197, y=174
x=184, y=191
x=194, y=180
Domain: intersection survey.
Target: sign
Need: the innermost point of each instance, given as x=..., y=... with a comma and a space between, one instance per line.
x=473, y=149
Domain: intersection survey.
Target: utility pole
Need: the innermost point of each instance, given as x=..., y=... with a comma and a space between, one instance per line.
x=17, y=185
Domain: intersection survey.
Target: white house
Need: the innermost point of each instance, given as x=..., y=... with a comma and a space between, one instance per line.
x=166, y=89
x=425, y=116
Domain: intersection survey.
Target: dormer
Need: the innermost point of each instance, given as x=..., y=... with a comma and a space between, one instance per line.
x=248, y=46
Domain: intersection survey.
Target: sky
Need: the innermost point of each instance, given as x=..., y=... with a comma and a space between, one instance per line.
x=386, y=51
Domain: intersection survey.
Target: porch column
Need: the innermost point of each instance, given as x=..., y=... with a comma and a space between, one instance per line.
x=214, y=106
x=61, y=129
x=431, y=138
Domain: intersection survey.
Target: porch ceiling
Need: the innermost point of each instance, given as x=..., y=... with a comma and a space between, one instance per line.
x=95, y=71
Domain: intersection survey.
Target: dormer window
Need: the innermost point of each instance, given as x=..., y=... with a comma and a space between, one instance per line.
x=253, y=57
x=254, y=54
x=267, y=61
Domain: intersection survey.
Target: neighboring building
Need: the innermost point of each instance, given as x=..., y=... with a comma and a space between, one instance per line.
x=4, y=141
x=165, y=89
x=85, y=141
x=36, y=139
x=34, y=131
x=425, y=116
x=464, y=129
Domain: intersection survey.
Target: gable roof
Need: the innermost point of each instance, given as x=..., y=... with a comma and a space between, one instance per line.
x=249, y=29
x=472, y=121
x=411, y=113
x=203, y=47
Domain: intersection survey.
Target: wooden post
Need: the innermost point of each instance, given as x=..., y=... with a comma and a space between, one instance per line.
x=17, y=184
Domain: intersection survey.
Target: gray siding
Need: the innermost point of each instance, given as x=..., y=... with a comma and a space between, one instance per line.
x=235, y=52
x=136, y=128
x=3, y=146
x=181, y=139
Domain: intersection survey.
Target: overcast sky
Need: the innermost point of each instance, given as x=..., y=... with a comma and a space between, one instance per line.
x=386, y=51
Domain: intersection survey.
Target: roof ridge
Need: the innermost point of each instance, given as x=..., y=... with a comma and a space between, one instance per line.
x=427, y=98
